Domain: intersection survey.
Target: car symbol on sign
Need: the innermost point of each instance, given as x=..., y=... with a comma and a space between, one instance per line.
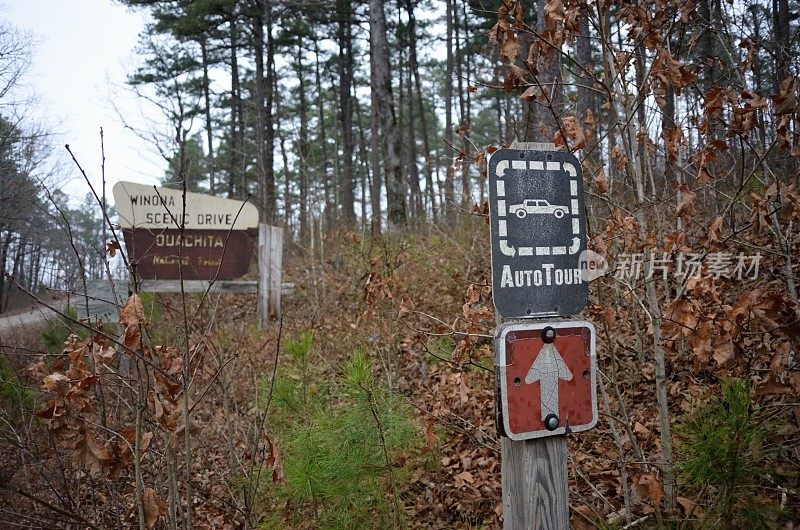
x=537, y=206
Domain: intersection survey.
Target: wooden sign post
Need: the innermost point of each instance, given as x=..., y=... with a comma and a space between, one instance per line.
x=538, y=239
x=270, y=273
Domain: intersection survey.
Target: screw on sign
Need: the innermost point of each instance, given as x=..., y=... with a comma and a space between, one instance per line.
x=546, y=375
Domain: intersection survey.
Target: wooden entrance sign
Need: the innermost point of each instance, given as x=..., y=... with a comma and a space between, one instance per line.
x=206, y=240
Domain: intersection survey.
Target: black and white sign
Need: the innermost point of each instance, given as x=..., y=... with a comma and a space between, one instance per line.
x=538, y=230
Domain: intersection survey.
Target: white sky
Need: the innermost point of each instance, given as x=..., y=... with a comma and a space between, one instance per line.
x=84, y=50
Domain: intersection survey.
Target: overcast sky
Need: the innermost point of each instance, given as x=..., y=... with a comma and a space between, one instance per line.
x=83, y=51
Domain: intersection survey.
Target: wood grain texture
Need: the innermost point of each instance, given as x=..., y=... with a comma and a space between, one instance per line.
x=275, y=271
x=534, y=480
x=264, y=234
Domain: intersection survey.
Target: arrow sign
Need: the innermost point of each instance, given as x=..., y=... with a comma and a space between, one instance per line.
x=564, y=366
x=548, y=368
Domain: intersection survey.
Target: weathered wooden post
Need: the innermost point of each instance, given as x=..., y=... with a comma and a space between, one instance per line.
x=545, y=366
x=270, y=272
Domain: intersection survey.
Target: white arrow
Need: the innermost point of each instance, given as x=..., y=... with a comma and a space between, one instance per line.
x=548, y=368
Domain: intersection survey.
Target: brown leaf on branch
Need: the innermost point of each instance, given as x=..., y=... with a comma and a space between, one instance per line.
x=273, y=462
x=510, y=47
x=530, y=93
x=56, y=382
x=686, y=205
x=112, y=248
x=554, y=13
x=602, y=184
x=572, y=129
x=132, y=317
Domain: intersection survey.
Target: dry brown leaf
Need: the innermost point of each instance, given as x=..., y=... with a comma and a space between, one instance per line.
x=154, y=507
x=132, y=317
x=510, y=47
x=723, y=352
x=465, y=477
x=686, y=204
x=602, y=184
x=274, y=462
x=649, y=487
x=55, y=381
x=144, y=443
x=430, y=436
x=641, y=429
x=112, y=248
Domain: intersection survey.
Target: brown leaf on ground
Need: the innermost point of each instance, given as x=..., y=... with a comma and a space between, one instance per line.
x=465, y=477
x=649, y=487
x=154, y=507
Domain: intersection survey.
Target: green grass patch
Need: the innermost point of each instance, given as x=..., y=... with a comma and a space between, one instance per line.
x=342, y=437
x=11, y=391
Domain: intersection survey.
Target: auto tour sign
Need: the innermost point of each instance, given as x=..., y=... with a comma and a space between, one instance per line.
x=538, y=233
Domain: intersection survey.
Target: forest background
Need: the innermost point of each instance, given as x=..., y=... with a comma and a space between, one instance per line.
x=364, y=129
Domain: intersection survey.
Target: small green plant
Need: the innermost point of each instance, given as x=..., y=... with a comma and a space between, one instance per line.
x=59, y=329
x=11, y=391
x=725, y=453
x=340, y=440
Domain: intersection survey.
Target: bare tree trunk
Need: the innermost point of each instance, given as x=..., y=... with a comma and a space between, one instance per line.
x=414, y=67
x=208, y=125
x=417, y=208
x=304, y=147
x=541, y=123
x=345, y=63
x=265, y=129
x=366, y=178
x=382, y=99
x=587, y=98
x=449, y=184
x=463, y=120
x=375, y=125
x=233, y=140
x=327, y=185
x=781, y=16
x=260, y=125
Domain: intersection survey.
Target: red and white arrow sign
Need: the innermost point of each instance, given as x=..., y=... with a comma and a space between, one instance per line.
x=546, y=378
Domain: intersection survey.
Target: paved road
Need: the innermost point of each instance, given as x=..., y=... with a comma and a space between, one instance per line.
x=34, y=316
x=100, y=306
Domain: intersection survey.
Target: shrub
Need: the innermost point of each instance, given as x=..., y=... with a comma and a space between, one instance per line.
x=725, y=452
x=341, y=442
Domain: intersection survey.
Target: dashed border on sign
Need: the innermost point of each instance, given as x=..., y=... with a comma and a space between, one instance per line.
x=502, y=212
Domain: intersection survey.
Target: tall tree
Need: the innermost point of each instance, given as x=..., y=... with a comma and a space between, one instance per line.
x=385, y=124
x=265, y=133
x=344, y=35
x=449, y=182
